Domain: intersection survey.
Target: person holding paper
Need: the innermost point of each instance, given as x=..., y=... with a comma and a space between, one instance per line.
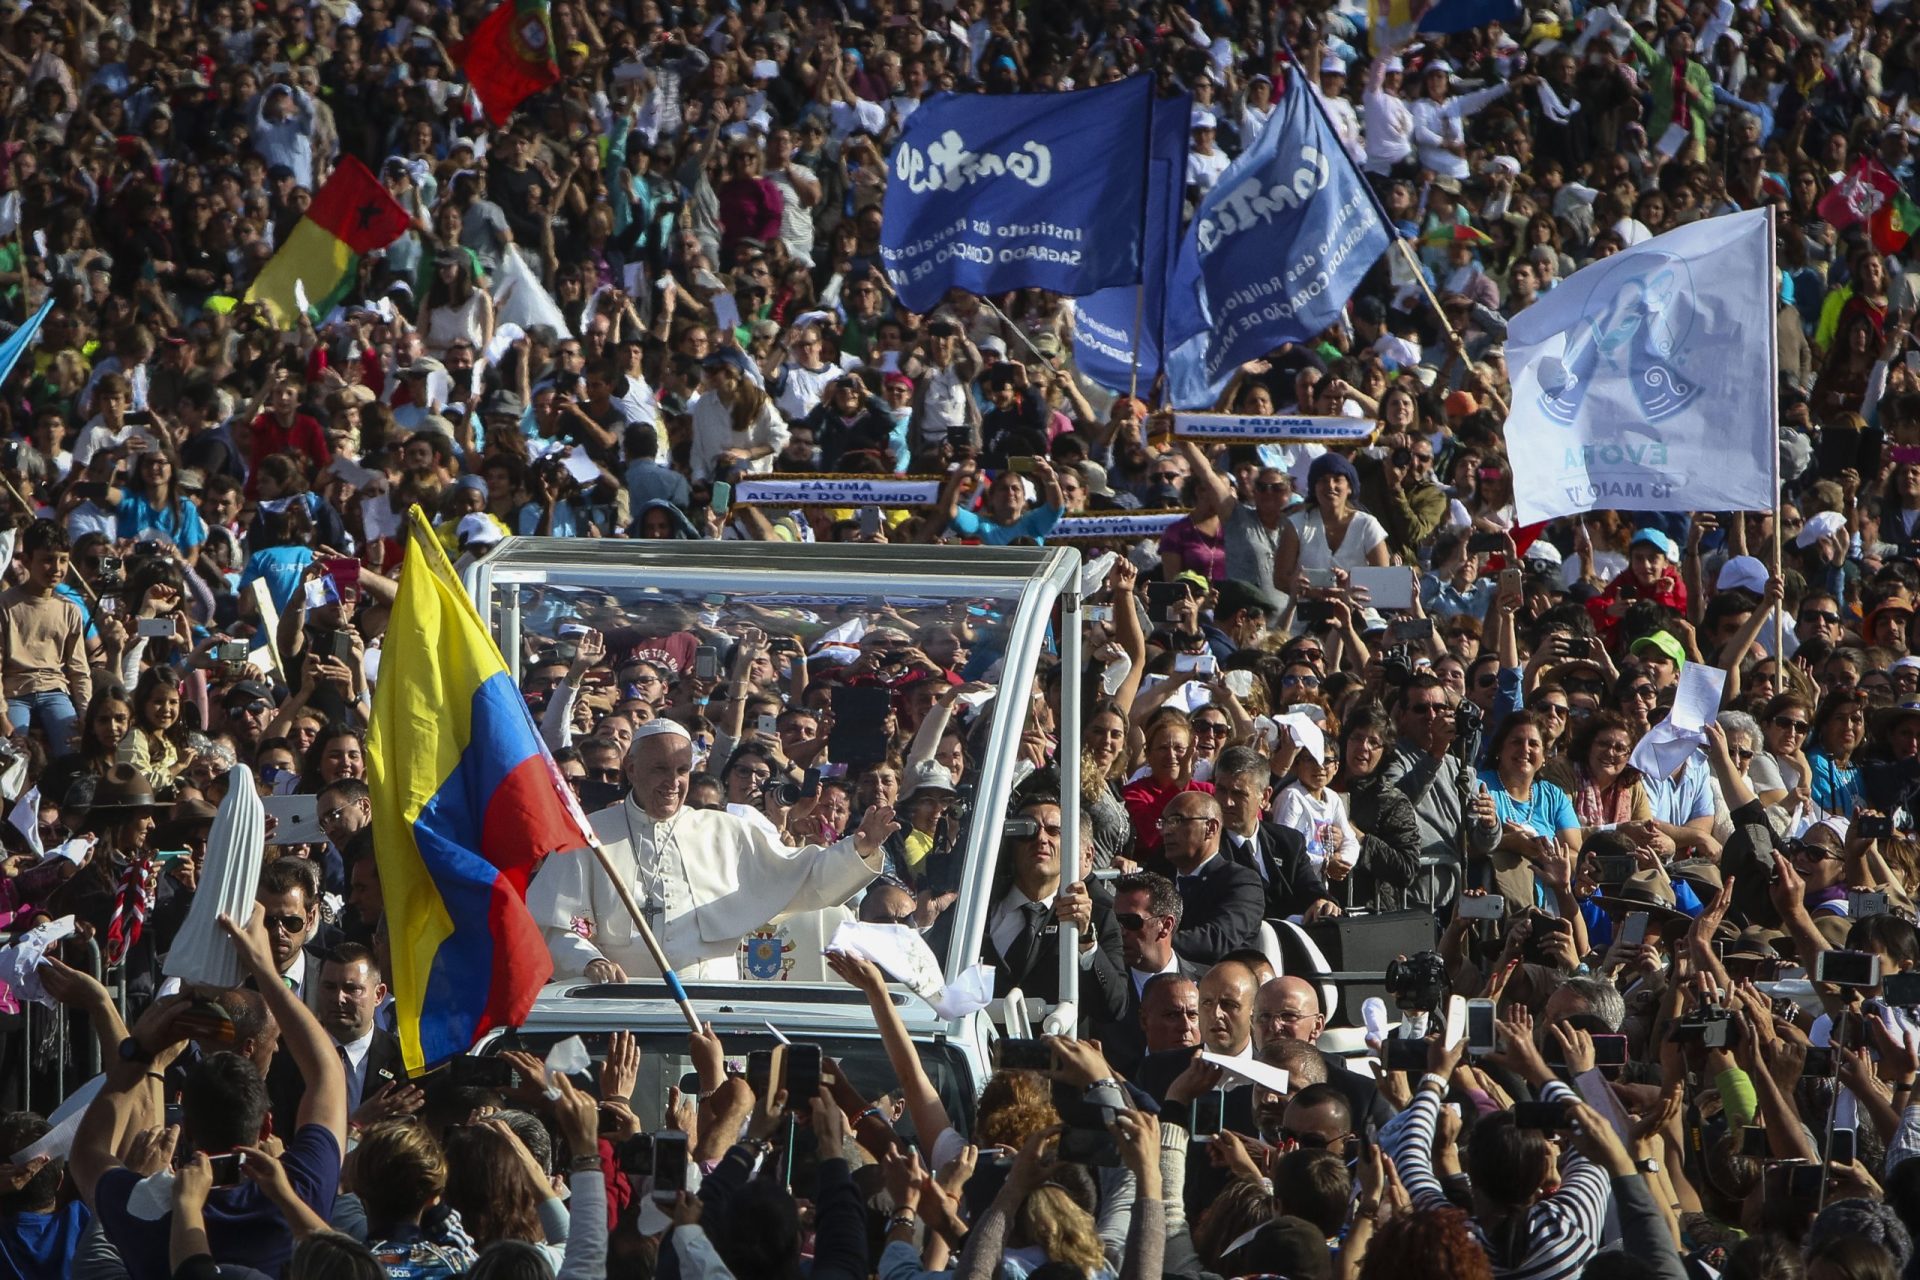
x=704, y=877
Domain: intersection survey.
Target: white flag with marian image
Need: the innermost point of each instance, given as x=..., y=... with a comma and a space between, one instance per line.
x=1646, y=381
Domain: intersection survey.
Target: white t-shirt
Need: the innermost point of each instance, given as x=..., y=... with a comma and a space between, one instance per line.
x=1314, y=819
x=1364, y=533
x=1204, y=171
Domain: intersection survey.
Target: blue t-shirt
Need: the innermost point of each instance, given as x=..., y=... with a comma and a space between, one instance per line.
x=1679, y=800
x=282, y=567
x=243, y=1226
x=1549, y=811
x=1836, y=788
x=39, y=1246
x=180, y=522
x=1035, y=524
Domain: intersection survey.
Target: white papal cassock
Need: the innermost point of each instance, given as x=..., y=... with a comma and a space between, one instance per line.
x=704, y=878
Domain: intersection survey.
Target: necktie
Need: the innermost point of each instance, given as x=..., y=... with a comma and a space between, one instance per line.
x=1033, y=916
x=353, y=1090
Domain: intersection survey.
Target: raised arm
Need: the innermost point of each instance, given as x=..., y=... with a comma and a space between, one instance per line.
x=929, y=1114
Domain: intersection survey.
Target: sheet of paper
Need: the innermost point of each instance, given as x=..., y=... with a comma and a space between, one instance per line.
x=377, y=518
x=503, y=338
x=24, y=817
x=1697, y=699
x=900, y=951
x=1672, y=140
x=1274, y=1078
x=20, y=963
x=1093, y=574
x=634, y=279
x=726, y=311
x=583, y=468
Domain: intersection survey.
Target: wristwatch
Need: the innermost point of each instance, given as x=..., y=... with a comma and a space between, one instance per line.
x=131, y=1051
x=1649, y=1165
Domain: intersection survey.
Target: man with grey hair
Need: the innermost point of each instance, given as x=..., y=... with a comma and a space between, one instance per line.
x=1287, y=1011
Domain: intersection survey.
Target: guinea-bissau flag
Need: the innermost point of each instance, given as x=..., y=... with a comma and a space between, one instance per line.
x=351, y=215
x=1894, y=222
x=509, y=57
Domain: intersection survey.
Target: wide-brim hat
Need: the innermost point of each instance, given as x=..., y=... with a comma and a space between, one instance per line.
x=1644, y=891
x=123, y=792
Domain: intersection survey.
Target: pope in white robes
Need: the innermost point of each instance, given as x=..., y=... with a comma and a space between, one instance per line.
x=704, y=878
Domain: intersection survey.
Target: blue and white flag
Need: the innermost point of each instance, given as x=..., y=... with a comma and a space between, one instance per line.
x=20, y=339
x=1646, y=381
x=1104, y=340
x=1272, y=255
x=1010, y=191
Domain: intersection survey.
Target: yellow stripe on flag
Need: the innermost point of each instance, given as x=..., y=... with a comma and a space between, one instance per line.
x=312, y=255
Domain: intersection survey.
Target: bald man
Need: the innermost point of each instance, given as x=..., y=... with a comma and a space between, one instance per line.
x=1221, y=902
x=1225, y=1026
x=1288, y=1008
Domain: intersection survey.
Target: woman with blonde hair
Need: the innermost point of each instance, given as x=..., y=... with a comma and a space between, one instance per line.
x=1042, y=1217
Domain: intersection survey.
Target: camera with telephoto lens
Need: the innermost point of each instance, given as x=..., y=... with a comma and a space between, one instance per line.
x=1418, y=983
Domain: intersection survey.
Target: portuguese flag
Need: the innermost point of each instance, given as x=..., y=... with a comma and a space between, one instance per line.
x=351, y=215
x=1894, y=222
x=509, y=57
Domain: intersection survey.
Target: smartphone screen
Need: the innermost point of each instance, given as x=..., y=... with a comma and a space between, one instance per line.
x=1843, y=1147
x=1480, y=1028
x=803, y=1074
x=1209, y=1115
x=722, y=497
x=669, y=1163
x=1633, y=930
x=706, y=663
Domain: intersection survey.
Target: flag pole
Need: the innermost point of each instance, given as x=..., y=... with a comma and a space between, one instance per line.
x=1419, y=273
x=1773, y=403
x=667, y=974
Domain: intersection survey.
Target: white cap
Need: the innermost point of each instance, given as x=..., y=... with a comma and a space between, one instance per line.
x=1506, y=164
x=994, y=344
x=1908, y=663
x=661, y=726
x=1543, y=552
x=1438, y=64
x=1821, y=524
x=1395, y=65
x=1745, y=572
x=1203, y=120
x=477, y=530
x=1332, y=64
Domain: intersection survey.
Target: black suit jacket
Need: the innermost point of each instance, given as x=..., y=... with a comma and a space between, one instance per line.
x=286, y=1087
x=1205, y=1180
x=1124, y=1040
x=1220, y=909
x=1103, y=985
x=1278, y=855
x=1363, y=1094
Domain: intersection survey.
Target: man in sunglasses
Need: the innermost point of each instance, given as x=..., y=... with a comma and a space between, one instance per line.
x=1422, y=767
x=289, y=894
x=1317, y=1118
x=1820, y=618
x=1148, y=909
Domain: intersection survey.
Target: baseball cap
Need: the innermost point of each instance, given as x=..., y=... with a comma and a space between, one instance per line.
x=1660, y=640
x=1821, y=524
x=477, y=530
x=1658, y=541
x=1745, y=572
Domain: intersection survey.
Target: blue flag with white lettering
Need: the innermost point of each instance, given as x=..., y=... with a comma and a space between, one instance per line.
x=989, y=193
x=1103, y=325
x=1272, y=255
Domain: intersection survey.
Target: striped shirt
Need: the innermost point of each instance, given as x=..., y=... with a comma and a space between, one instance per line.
x=1563, y=1230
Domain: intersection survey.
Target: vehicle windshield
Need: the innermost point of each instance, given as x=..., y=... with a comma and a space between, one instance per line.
x=806, y=708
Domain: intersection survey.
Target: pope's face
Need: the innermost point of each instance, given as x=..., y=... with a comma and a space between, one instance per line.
x=658, y=769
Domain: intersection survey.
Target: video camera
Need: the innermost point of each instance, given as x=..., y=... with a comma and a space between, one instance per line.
x=1418, y=983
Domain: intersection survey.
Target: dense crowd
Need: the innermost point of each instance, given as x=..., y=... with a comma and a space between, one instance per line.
x=1345, y=688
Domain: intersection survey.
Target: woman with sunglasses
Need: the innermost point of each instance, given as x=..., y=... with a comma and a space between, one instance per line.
x=1169, y=735
x=1839, y=732
x=1554, y=706
x=1636, y=695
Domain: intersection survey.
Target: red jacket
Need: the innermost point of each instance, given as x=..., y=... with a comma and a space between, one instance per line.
x=1670, y=591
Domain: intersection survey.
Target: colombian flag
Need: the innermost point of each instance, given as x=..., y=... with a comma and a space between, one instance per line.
x=351, y=215
x=466, y=802
x=509, y=57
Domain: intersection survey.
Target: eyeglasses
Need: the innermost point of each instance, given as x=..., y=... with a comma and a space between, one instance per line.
x=1742, y=754
x=1172, y=820
x=1307, y=655
x=1306, y=1141
x=256, y=709
x=1486, y=681
x=332, y=816
x=1270, y=486
x=1427, y=709
x=1810, y=852
x=286, y=924
x=1820, y=615
x=1555, y=709
x=1211, y=727
x=1789, y=724
x=748, y=771
x=1299, y=681
x=1644, y=691
x=1131, y=921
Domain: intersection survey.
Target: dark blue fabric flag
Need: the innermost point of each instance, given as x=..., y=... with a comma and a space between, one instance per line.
x=1450, y=17
x=1272, y=255
x=1103, y=336
x=996, y=192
